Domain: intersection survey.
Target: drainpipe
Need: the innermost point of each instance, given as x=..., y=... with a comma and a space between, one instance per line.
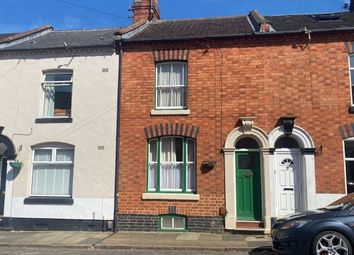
x=119, y=51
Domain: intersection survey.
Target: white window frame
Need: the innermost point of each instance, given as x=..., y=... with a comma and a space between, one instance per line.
x=173, y=217
x=345, y=161
x=351, y=79
x=45, y=83
x=185, y=86
x=53, y=162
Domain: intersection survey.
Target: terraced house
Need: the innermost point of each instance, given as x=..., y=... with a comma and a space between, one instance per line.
x=58, y=129
x=227, y=122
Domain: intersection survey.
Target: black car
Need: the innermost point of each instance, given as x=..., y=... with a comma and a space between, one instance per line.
x=325, y=231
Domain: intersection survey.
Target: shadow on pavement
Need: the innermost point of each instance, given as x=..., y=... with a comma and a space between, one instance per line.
x=264, y=250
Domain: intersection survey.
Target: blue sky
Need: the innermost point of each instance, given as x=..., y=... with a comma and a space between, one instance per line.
x=21, y=15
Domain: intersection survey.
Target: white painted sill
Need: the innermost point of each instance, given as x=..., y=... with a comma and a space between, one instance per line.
x=169, y=112
x=169, y=196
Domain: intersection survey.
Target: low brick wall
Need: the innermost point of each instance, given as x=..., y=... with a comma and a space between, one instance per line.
x=133, y=222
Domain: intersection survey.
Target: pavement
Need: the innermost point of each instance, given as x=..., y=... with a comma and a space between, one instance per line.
x=135, y=240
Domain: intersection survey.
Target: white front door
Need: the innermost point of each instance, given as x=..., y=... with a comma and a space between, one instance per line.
x=288, y=179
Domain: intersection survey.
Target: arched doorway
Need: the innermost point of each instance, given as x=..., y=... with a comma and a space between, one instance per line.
x=246, y=154
x=293, y=179
x=7, y=152
x=248, y=180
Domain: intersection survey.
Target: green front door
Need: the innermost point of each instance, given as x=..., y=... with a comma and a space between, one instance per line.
x=248, y=186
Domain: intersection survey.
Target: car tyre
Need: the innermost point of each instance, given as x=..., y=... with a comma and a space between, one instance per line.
x=331, y=242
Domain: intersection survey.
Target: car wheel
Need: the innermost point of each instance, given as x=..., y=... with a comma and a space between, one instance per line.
x=331, y=243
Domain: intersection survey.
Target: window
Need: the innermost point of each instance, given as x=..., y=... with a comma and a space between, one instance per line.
x=349, y=164
x=171, y=85
x=52, y=171
x=172, y=223
x=171, y=165
x=57, y=88
x=351, y=69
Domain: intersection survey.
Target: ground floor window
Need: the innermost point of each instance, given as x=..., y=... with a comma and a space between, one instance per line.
x=52, y=169
x=172, y=222
x=171, y=165
x=349, y=164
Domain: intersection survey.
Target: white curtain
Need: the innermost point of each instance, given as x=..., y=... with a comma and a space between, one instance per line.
x=171, y=169
x=49, y=180
x=171, y=85
x=49, y=101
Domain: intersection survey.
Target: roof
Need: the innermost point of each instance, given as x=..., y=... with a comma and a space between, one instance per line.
x=242, y=25
x=4, y=37
x=67, y=39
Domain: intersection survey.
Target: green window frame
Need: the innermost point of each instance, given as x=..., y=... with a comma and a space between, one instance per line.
x=171, y=165
x=172, y=223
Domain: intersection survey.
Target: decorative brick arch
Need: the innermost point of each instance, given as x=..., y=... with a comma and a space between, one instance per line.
x=171, y=129
x=347, y=130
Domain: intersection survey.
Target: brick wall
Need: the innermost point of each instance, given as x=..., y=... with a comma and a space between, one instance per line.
x=265, y=77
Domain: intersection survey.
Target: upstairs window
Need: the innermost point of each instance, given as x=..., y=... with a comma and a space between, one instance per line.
x=52, y=171
x=171, y=85
x=171, y=165
x=351, y=69
x=57, y=88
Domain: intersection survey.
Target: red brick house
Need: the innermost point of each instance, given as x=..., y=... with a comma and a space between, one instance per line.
x=227, y=122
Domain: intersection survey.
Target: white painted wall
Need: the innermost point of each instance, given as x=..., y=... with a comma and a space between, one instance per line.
x=94, y=104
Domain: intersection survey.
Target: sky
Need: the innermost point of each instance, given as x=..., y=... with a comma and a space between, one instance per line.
x=22, y=15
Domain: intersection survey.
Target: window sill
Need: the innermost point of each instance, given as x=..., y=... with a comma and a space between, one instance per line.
x=48, y=201
x=170, y=196
x=54, y=120
x=170, y=112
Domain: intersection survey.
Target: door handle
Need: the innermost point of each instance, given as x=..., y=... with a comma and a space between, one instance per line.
x=248, y=174
x=288, y=189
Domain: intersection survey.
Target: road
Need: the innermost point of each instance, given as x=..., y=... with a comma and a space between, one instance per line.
x=56, y=251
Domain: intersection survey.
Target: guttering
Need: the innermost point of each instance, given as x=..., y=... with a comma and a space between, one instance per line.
x=118, y=46
x=300, y=31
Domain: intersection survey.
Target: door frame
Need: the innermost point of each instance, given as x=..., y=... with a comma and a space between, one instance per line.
x=298, y=178
x=307, y=167
x=260, y=181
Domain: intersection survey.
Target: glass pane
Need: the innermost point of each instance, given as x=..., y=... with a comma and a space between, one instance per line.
x=352, y=75
x=153, y=151
x=179, y=223
x=177, y=97
x=286, y=142
x=65, y=155
x=49, y=101
x=190, y=150
x=191, y=176
x=350, y=176
x=163, y=97
x=163, y=74
x=62, y=101
x=166, y=222
x=171, y=176
x=43, y=155
x=247, y=143
x=349, y=149
x=179, y=149
x=351, y=60
x=152, y=176
x=51, y=180
x=177, y=74
x=58, y=77
x=166, y=150
x=247, y=161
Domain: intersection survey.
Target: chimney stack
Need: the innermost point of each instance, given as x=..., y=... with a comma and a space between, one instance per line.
x=145, y=10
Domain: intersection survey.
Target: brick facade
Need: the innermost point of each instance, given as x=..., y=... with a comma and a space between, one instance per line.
x=262, y=76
